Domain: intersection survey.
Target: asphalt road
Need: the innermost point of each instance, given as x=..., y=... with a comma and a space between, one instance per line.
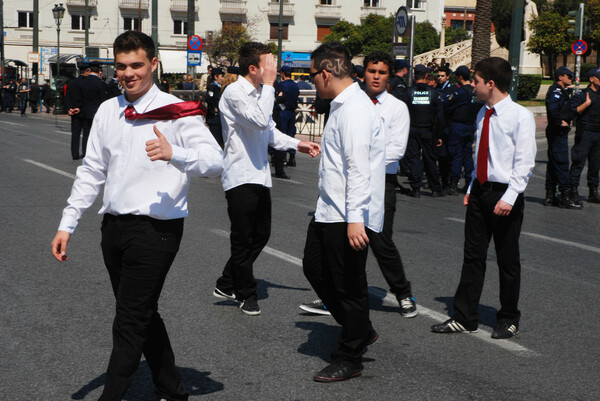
x=55, y=319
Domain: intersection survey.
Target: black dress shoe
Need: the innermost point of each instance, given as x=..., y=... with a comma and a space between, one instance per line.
x=437, y=194
x=338, y=371
x=283, y=176
x=414, y=193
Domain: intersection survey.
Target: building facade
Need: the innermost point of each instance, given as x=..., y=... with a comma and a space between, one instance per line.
x=305, y=24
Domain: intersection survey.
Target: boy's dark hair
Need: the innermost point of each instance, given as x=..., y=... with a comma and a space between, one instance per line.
x=379, y=57
x=333, y=57
x=444, y=69
x=495, y=69
x=132, y=41
x=250, y=55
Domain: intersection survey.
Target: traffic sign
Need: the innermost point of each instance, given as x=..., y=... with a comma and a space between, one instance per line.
x=579, y=47
x=400, y=49
x=33, y=57
x=194, y=42
x=402, y=20
x=194, y=58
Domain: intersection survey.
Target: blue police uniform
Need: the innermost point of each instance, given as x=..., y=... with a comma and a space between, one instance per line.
x=288, y=112
x=557, y=169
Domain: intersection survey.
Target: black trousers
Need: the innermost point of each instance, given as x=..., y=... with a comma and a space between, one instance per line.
x=421, y=144
x=557, y=169
x=337, y=274
x=383, y=246
x=138, y=252
x=249, y=209
x=481, y=225
x=214, y=125
x=587, y=146
x=77, y=124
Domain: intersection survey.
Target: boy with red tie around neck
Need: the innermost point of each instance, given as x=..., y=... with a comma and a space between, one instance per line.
x=144, y=147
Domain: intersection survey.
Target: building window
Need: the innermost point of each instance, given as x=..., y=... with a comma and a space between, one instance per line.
x=372, y=3
x=274, y=34
x=78, y=22
x=416, y=4
x=131, y=24
x=461, y=23
x=322, y=31
x=327, y=2
x=179, y=27
x=25, y=19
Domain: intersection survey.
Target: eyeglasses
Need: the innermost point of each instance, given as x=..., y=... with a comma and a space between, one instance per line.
x=312, y=75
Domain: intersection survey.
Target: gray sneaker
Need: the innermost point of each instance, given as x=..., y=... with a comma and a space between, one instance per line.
x=408, y=307
x=317, y=307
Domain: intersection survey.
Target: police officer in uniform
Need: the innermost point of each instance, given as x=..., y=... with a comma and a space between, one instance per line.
x=94, y=91
x=426, y=116
x=74, y=105
x=587, y=140
x=398, y=84
x=461, y=107
x=444, y=87
x=559, y=119
x=213, y=95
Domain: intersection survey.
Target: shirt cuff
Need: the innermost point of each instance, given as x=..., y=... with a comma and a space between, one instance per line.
x=510, y=196
x=67, y=223
x=356, y=216
x=179, y=157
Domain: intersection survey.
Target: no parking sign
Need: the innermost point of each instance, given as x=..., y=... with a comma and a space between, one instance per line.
x=579, y=47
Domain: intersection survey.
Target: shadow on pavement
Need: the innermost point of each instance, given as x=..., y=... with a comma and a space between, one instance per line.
x=142, y=388
x=487, y=314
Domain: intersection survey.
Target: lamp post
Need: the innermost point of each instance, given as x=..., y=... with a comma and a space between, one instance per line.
x=58, y=11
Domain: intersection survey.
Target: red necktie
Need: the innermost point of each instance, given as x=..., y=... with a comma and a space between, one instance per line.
x=484, y=148
x=374, y=101
x=169, y=112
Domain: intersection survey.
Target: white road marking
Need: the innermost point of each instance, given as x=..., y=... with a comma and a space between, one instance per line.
x=10, y=123
x=546, y=238
x=390, y=300
x=290, y=181
x=44, y=166
x=63, y=132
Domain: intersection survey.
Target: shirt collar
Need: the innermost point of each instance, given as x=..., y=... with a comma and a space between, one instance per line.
x=143, y=103
x=247, y=85
x=382, y=97
x=501, y=106
x=345, y=94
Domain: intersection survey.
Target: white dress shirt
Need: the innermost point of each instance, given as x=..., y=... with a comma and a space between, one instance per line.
x=352, y=166
x=396, y=120
x=512, y=146
x=248, y=131
x=133, y=184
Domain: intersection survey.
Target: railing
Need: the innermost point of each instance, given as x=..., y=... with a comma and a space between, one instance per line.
x=182, y=5
x=233, y=7
x=91, y=3
x=456, y=54
x=133, y=4
x=365, y=11
x=288, y=9
x=327, y=11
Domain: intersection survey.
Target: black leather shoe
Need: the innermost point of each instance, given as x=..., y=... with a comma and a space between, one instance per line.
x=414, y=193
x=437, y=194
x=283, y=176
x=338, y=371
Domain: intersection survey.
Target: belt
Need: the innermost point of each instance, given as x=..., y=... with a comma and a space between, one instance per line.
x=490, y=186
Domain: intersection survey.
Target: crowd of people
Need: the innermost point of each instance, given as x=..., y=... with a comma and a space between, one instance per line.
x=376, y=125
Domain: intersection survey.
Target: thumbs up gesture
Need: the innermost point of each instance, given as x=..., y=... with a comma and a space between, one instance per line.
x=159, y=148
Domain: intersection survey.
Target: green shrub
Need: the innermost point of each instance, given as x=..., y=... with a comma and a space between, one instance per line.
x=529, y=86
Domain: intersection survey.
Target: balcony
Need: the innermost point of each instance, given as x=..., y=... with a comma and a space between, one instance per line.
x=182, y=5
x=81, y=3
x=365, y=11
x=233, y=8
x=134, y=4
x=328, y=11
x=288, y=9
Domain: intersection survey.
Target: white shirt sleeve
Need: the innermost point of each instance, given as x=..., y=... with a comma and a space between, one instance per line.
x=281, y=141
x=250, y=111
x=397, y=133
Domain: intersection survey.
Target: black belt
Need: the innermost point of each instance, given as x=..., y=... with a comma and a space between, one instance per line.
x=490, y=186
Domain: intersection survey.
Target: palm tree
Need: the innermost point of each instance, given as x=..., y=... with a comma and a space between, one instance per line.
x=481, y=31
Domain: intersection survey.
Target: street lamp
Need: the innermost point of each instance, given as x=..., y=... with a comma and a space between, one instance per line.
x=58, y=11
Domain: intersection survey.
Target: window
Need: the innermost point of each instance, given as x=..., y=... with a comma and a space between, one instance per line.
x=274, y=34
x=179, y=27
x=25, y=19
x=460, y=23
x=78, y=22
x=326, y=2
x=322, y=31
x=372, y=3
x=417, y=4
x=131, y=24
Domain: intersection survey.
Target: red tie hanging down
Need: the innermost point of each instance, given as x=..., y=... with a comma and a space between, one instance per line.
x=484, y=148
x=374, y=101
x=168, y=112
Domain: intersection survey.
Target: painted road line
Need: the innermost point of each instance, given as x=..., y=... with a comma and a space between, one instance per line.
x=63, y=132
x=10, y=123
x=546, y=238
x=55, y=170
x=390, y=300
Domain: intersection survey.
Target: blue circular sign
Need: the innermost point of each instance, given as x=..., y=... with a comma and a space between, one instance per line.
x=579, y=47
x=195, y=42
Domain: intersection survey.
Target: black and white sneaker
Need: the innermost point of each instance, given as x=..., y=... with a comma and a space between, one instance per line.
x=250, y=306
x=316, y=307
x=408, y=307
x=224, y=295
x=451, y=326
x=505, y=330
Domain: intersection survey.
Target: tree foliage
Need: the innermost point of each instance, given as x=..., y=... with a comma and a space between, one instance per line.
x=426, y=37
x=549, y=36
x=502, y=19
x=375, y=33
x=226, y=44
x=455, y=35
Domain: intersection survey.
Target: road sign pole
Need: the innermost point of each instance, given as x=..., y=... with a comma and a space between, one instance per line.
x=578, y=57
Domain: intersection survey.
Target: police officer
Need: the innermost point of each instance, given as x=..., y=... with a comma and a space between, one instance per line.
x=426, y=117
x=74, y=105
x=288, y=108
x=461, y=107
x=559, y=120
x=587, y=140
x=398, y=83
x=94, y=92
x=444, y=87
x=213, y=95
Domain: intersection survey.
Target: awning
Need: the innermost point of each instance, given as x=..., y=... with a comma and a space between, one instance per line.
x=173, y=61
x=64, y=58
x=296, y=60
x=17, y=63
